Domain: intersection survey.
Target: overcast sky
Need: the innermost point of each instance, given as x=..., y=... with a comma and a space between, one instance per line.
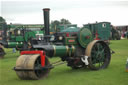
x=76, y=11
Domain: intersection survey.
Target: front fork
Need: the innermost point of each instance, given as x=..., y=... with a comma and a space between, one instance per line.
x=42, y=55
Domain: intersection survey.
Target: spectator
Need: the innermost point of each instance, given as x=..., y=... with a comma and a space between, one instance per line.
x=14, y=50
x=127, y=34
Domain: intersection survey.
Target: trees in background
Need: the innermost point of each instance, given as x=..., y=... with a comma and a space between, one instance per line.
x=2, y=21
x=56, y=23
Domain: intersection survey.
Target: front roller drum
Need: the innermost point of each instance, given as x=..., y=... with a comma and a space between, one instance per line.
x=99, y=55
x=29, y=67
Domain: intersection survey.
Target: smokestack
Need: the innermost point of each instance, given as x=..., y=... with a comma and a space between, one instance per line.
x=46, y=21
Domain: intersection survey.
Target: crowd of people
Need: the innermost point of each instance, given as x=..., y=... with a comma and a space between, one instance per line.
x=124, y=34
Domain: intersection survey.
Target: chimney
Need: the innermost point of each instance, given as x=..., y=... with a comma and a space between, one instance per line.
x=46, y=21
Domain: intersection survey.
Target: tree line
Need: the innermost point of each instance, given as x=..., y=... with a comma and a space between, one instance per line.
x=54, y=23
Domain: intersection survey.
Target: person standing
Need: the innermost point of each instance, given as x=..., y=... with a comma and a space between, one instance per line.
x=127, y=34
x=14, y=50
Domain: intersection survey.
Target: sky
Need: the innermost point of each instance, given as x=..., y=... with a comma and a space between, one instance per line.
x=76, y=11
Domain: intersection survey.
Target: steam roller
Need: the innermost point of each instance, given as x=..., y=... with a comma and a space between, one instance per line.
x=78, y=49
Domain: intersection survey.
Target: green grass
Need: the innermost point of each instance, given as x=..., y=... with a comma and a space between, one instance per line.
x=62, y=75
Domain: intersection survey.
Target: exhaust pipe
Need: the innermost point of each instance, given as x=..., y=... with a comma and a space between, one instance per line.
x=46, y=22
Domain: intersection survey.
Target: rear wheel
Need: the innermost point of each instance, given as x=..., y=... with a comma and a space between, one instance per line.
x=99, y=55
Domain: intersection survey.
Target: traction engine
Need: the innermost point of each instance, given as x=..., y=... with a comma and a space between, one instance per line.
x=77, y=49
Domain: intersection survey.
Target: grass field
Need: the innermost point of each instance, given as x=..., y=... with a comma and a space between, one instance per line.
x=62, y=75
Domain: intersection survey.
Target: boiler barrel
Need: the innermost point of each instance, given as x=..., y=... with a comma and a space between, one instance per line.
x=60, y=51
x=14, y=44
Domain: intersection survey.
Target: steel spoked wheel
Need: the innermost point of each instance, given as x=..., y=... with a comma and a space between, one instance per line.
x=99, y=55
x=33, y=62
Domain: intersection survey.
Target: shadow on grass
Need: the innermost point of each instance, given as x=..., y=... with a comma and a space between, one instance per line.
x=68, y=71
x=58, y=72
